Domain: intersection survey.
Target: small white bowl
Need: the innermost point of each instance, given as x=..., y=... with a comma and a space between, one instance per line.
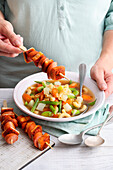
x=28, y=81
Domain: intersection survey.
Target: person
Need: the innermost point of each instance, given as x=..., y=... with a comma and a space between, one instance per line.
x=69, y=32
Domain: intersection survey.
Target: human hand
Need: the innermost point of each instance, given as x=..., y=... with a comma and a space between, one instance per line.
x=9, y=41
x=101, y=73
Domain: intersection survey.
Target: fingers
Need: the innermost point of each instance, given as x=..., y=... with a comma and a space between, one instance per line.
x=6, y=29
x=109, y=81
x=6, y=47
x=8, y=55
x=111, y=109
x=97, y=74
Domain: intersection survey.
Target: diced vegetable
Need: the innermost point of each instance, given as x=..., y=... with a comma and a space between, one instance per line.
x=39, y=89
x=69, y=101
x=44, y=84
x=60, y=106
x=92, y=103
x=52, y=109
x=31, y=94
x=46, y=90
x=47, y=114
x=64, y=97
x=86, y=97
x=71, y=96
x=54, y=92
x=55, y=115
x=60, y=88
x=79, y=99
x=70, y=82
x=27, y=97
x=50, y=102
x=35, y=105
x=31, y=103
x=39, y=82
x=47, y=82
x=73, y=85
x=72, y=89
x=38, y=85
x=73, y=107
x=57, y=83
x=75, y=112
x=76, y=92
x=41, y=106
x=67, y=107
x=26, y=103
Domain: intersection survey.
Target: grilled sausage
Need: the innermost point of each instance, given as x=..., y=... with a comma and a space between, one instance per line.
x=54, y=74
x=11, y=138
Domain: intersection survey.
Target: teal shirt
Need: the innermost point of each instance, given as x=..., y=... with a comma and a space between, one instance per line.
x=68, y=31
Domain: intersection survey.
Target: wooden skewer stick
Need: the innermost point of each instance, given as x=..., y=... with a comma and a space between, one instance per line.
x=23, y=48
x=49, y=145
x=64, y=76
x=4, y=103
x=11, y=141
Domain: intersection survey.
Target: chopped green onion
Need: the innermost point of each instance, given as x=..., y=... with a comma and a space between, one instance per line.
x=75, y=112
x=73, y=107
x=47, y=114
x=39, y=82
x=50, y=102
x=31, y=94
x=26, y=103
x=39, y=89
x=70, y=82
x=52, y=109
x=60, y=106
x=72, y=89
x=44, y=84
x=92, y=103
x=47, y=82
x=75, y=92
x=35, y=105
x=71, y=96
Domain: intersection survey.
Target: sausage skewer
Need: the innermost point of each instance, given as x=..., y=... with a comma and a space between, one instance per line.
x=34, y=132
x=8, y=124
x=53, y=71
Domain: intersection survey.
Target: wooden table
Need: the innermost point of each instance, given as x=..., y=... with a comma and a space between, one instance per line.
x=80, y=157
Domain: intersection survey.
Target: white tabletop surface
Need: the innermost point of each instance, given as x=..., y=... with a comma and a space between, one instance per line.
x=79, y=157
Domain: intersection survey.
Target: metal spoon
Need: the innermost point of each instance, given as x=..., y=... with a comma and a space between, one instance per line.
x=73, y=139
x=93, y=141
x=82, y=74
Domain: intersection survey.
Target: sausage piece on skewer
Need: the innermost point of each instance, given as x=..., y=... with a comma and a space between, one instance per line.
x=11, y=138
x=8, y=125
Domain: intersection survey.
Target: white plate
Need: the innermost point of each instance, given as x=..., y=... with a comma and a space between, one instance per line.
x=28, y=81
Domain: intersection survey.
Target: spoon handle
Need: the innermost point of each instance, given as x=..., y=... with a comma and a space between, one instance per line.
x=82, y=74
x=108, y=120
x=109, y=116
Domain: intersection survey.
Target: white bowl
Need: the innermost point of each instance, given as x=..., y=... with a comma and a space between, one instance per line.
x=28, y=81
